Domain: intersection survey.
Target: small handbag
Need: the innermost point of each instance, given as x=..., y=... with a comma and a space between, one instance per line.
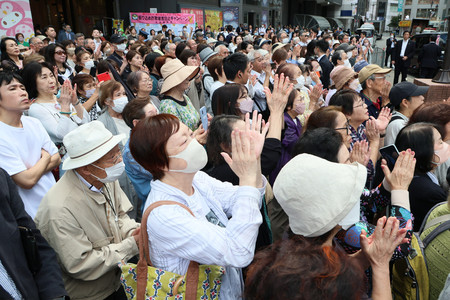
x=143, y=281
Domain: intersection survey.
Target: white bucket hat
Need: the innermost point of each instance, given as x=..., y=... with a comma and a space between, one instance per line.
x=87, y=144
x=317, y=194
x=175, y=72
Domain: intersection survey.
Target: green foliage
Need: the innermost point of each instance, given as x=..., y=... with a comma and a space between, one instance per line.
x=394, y=21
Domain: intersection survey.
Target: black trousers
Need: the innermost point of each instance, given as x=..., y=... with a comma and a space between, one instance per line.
x=118, y=295
x=428, y=72
x=402, y=67
x=388, y=55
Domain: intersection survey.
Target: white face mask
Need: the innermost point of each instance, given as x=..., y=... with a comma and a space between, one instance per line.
x=121, y=47
x=354, y=85
x=347, y=63
x=285, y=40
x=443, y=155
x=350, y=54
x=112, y=173
x=246, y=106
x=89, y=64
x=119, y=104
x=308, y=80
x=195, y=157
x=300, y=82
x=154, y=48
x=90, y=92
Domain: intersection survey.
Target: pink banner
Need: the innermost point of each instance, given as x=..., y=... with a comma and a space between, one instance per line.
x=197, y=12
x=161, y=18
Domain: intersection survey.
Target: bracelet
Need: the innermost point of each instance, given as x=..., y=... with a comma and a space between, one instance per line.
x=382, y=135
x=65, y=112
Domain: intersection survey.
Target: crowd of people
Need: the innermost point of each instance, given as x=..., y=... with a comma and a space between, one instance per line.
x=271, y=138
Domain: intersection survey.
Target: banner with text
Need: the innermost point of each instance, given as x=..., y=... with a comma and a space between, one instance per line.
x=148, y=21
x=197, y=12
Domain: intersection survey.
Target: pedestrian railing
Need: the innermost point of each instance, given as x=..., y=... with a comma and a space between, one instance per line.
x=378, y=56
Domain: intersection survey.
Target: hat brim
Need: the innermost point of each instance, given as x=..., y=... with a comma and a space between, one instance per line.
x=209, y=56
x=93, y=156
x=419, y=91
x=186, y=72
x=341, y=84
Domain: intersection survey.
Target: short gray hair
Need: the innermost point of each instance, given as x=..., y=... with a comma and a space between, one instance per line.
x=217, y=49
x=167, y=47
x=251, y=55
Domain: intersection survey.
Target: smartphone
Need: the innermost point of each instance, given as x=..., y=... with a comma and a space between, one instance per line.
x=390, y=154
x=204, y=117
x=103, y=77
x=273, y=65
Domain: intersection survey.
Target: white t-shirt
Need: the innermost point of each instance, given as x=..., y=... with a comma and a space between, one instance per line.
x=20, y=149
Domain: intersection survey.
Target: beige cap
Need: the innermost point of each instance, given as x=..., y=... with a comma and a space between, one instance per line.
x=367, y=71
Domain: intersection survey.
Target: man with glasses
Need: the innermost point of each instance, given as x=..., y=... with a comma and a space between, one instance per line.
x=262, y=70
x=84, y=216
x=304, y=36
x=375, y=88
x=36, y=44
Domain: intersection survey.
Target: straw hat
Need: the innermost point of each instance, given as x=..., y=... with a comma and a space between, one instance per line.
x=367, y=71
x=175, y=72
x=341, y=74
x=87, y=144
x=317, y=194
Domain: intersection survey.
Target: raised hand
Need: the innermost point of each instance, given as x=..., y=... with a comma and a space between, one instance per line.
x=245, y=162
x=360, y=153
x=67, y=96
x=380, y=246
x=383, y=119
x=372, y=131
x=277, y=99
x=403, y=171
x=385, y=92
x=201, y=134
x=314, y=95
x=257, y=130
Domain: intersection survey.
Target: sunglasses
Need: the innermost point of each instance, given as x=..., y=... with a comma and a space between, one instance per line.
x=60, y=52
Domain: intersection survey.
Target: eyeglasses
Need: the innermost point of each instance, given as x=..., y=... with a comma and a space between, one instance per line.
x=380, y=77
x=347, y=128
x=60, y=52
x=360, y=105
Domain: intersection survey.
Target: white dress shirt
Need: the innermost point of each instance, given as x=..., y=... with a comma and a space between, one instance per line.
x=258, y=88
x=404, y=45
x=176, y=238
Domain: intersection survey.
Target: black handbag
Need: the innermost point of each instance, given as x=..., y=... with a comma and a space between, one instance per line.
x=31, y=249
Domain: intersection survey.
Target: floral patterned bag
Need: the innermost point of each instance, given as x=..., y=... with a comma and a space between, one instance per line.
x=144, y=282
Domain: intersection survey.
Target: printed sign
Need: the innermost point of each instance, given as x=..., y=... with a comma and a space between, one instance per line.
x=400, y=5
x=147, y=22
x=15, y=17
x=214, y=18
x=198, y=15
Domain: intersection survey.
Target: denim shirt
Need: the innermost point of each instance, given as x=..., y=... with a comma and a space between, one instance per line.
x=139, y=177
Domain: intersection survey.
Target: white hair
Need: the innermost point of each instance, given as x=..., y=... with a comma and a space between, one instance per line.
x=217, y=49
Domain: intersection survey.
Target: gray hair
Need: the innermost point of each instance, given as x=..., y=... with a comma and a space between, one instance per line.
x=263, y=52
x=251, y=55
x=133, y=80
x=364, y=83
x=217, y=49
x=79, y=34
x=33, y=40
x=167, y=47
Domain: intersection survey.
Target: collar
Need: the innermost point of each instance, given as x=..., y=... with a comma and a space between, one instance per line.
x=433, y=177
x=253, y=72
x=320, y=57
x=89, y=186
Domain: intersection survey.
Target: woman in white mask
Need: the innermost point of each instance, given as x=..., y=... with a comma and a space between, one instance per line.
x=113, y=99
x=87, y=92
x=225, y=219
x=85, y=64
x=367, y=51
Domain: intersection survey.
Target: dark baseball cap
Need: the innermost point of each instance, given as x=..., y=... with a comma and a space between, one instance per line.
x=346, y=47
x=404, y=90
x=117, y=39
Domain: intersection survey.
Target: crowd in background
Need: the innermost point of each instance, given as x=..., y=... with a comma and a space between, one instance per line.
x=270, y=136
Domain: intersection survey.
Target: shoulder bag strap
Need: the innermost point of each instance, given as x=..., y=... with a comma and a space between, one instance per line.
x=144, y=257
x=438, y=230
x=422, y=227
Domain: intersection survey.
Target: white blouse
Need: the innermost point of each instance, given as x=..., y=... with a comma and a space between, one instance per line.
x=57, y=125
x=176, y=237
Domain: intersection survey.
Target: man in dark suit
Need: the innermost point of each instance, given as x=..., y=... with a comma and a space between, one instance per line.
x=164, y=31
x=66, y=33
x=324, y=62
x=47, y=283
x=403, y=53
x=428, y=59
x=390, y=46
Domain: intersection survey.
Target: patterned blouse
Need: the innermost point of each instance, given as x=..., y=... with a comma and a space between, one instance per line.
x=360, y=135
x=184, y=111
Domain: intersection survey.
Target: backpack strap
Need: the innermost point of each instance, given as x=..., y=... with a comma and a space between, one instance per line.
x=203, y=83
x=395, y=118
x=428, y=215
x=191, y=276
x=441, y=228
x=437, y=220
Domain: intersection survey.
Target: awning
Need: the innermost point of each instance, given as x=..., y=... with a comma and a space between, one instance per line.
x=335, y=23
x=309, y=21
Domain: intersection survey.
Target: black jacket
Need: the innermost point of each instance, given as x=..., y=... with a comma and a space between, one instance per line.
x=47, y=283
x=389, y=48
x=409, y=52
x=327, y=67
x=428, y=57
x=423, y=195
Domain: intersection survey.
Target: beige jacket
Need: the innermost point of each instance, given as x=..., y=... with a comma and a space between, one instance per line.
x=80, y=226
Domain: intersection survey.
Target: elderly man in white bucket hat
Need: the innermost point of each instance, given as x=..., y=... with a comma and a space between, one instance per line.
x=84, y=215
